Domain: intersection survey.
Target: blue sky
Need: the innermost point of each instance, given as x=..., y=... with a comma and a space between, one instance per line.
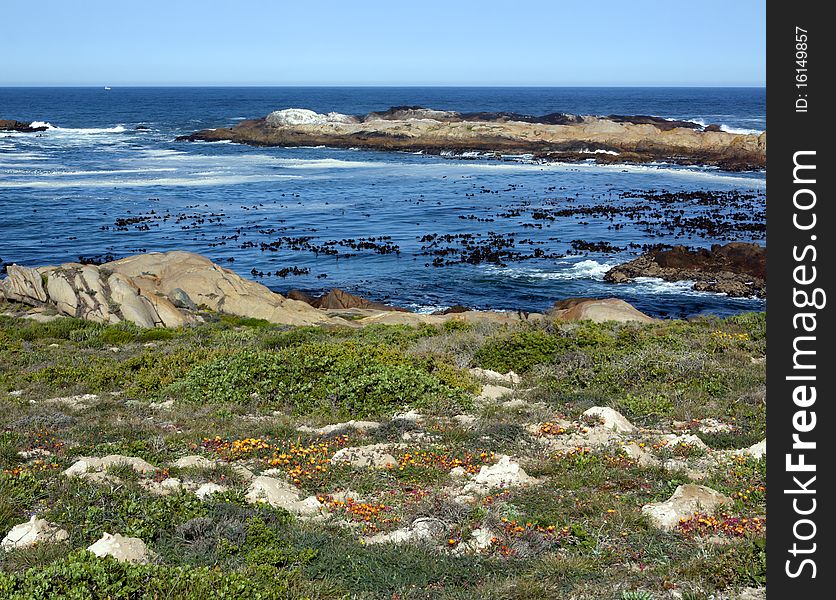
x=314, y=42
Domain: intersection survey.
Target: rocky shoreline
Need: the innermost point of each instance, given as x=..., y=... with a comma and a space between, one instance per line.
x=737, y=269
x=553, y=137
x=179, y=289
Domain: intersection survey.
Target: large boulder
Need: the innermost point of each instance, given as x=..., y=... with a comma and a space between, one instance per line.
x=152, y=290
x=598, y=310
x=685, y=501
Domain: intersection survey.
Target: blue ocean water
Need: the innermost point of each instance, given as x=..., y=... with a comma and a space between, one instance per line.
x=374, y=223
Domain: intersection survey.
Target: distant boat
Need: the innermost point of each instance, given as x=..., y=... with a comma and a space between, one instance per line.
x=107, y=89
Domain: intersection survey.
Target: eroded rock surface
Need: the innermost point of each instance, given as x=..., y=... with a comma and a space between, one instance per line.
x=122, y=548
x=685, y=501
x=598, y=310
x=737, y=269
x=556, y=136
x=34, y=531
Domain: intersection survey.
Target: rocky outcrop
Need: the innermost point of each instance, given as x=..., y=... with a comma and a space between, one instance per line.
x=94, y=468
x=376, y=456
x=151, y=290
x=556, y=136
x=20, y=126
x=280, y=494
x=685, y=501
x=338, y=299
x=421, y=529
x=176, y=289
x=610, y=418
x=598, y=310
x=737, y=269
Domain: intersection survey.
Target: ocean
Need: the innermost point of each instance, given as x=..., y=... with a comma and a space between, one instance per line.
x=424, y=232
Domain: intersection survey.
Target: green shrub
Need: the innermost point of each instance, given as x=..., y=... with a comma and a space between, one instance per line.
x=740, y=565
x=646, y=405
x=347, y=379
x=83, y=575
x=518, y=351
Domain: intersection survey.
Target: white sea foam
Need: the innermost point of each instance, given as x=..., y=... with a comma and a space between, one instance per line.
x=599, y=151
x=660, y=168
x=584, y=269
x=130, y=183
x=726, y=128
x=328, y=163
x=103, y=172
x=78, y=130
x=654, y=285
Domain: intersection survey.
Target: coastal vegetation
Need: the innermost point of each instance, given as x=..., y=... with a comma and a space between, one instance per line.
x=439, y=460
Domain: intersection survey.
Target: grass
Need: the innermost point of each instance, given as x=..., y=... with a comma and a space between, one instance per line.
x=240, y=387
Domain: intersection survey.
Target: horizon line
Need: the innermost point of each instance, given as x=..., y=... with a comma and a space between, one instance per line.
x=372, y=85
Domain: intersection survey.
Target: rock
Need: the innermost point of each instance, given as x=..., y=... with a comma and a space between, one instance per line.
x=194, y=461
x=34, y=531
x=23, y=285
x=612, y=419
x=711, y=425
x=643, y=457
x=280, y=494
x=685, y=439
x=491, y=392
x=464, y=420
x=362, y=457
x=480, y=539
x=736, y=269
x=123, y=549
x=509, y=378
x=181, y=299
x=685, y=501
x=363, y=426
x=598, y=310
x=555, y=136
x=85, y=465
x=338, y=299
x=22, y=126
x=207, y=489
x=152, y=290
x=79, y=402
x=164, y=405
x=345, y=496
x=757, y=451
x=302, y=116
x=167, y=486
x=751, y=593
x=505, y=473
x=412, y=416
x=458, y=472
x=516, y=404
x=421, y=529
